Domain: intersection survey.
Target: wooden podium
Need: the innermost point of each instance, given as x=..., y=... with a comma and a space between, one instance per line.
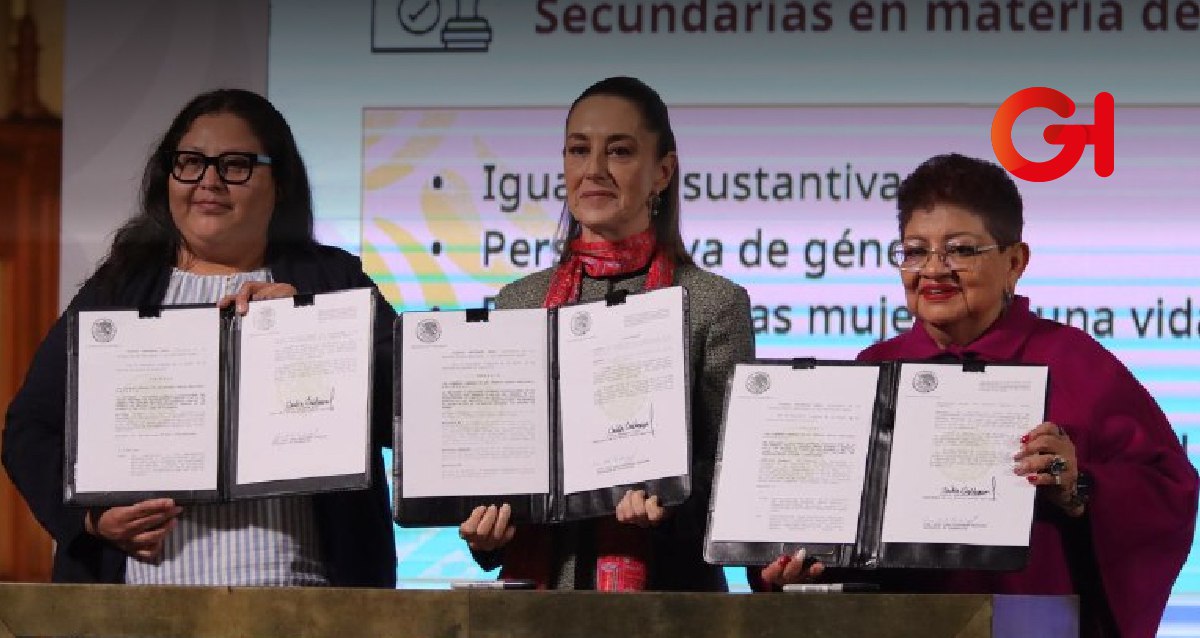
x=120, y=611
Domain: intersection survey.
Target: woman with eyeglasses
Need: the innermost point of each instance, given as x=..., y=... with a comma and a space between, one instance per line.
x=225, y=217
x=1116, y=504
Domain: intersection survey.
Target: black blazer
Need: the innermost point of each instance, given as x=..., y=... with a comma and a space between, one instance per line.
x=355, y=527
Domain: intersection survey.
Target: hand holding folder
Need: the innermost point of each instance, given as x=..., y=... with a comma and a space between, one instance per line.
x=202, y=405
x=868, y=465
x=557, y=413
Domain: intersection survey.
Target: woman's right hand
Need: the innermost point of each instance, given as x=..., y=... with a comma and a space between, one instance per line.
x=139, y=529
x=791, y=569
x=487, y=528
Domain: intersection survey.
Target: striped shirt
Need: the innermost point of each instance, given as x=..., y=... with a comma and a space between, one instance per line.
x=271, y=541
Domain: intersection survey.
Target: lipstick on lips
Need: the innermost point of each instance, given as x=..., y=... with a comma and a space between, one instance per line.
x=938, y=292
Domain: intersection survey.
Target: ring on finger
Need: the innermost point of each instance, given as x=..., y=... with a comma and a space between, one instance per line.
x=1057, y=466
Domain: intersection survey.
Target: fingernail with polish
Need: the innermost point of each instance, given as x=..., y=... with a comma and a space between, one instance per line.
x=1032, y=478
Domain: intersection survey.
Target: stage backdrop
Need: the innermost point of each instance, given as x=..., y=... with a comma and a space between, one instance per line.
x=433, y=131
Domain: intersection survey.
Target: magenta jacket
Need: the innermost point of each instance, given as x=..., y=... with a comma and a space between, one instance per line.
x=1123, y=556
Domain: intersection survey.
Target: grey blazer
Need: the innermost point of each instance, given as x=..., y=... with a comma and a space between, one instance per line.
x=721, y=335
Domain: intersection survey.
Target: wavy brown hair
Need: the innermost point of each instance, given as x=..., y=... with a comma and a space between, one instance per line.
x=150, y=240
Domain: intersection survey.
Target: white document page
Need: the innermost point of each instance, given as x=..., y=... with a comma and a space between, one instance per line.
x=475, y=403
x=148, y=401
x=623, y=390
x=951, y=478
x=305, y=388
x=794, y=454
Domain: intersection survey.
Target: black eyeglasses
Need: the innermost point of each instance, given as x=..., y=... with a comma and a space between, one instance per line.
x=233, y=167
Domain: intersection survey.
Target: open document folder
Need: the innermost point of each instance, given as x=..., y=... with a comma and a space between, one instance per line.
x=202, y=405
x=903, y=464
x=554, y=411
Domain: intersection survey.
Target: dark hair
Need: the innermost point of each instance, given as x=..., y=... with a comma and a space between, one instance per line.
x=654, y=115
x=974, y=184
x=150, y=240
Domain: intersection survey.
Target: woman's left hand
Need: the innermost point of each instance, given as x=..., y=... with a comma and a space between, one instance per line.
x=636, y=509
x=1047, y=459
x=256, y=291
x=791, y=568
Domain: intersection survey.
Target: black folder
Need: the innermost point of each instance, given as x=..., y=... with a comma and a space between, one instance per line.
x=553, y=505
x=868, y=550
x=158, y=399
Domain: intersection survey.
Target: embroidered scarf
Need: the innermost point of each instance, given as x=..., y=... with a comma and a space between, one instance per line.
x=605, y=259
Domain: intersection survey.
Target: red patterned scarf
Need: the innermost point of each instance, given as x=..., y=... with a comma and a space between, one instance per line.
x=605, y=259
x=530, y=554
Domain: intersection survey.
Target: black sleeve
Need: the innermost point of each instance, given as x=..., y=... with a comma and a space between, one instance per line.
x=35, y=427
